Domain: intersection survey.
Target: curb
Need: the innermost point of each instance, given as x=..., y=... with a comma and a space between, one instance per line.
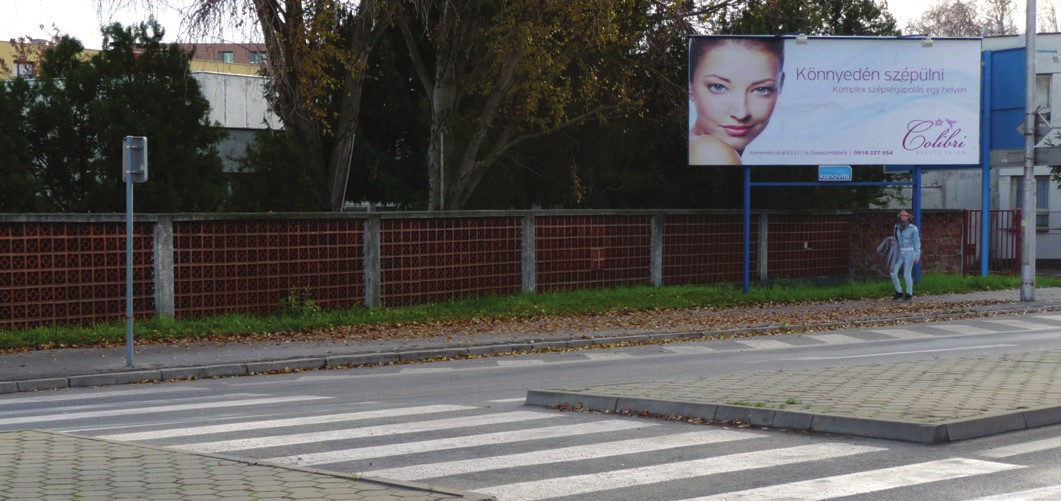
x=926, y=433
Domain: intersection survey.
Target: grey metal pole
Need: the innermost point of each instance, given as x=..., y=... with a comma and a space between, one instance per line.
x=1027, y=267
x=128, y=270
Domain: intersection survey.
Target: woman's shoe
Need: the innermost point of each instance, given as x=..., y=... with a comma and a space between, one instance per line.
x=907, y=297
x=897, y=296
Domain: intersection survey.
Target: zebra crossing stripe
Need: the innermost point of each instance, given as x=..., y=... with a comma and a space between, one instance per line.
x=833, y=338
x=1021, y=324
x=575, y=453
x=279, y=423
x=156, y=409
x=962, y=329
x=1025, y=448
x=759, y=344
x=902, y=333
x=368, y=431
x=596, y=357
x=97, y=395
x=583, y=484
x=1049, y=493
x=868, y=481
x=520, y=363
x=503, y=437
x=689, y=350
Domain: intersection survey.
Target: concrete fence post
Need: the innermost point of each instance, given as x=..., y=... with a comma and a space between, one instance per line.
x=656, y=253
x=164, y=274
x=528, y=257
x=372, y=262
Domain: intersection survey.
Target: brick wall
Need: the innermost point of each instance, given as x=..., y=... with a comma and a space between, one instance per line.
x=941, y=241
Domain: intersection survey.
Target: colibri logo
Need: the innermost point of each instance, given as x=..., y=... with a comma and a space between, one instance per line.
x=941, y=134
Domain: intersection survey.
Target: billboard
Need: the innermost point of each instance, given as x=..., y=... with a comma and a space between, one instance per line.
x=833, y=101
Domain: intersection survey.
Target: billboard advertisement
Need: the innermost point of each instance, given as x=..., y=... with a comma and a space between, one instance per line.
x=833, y=101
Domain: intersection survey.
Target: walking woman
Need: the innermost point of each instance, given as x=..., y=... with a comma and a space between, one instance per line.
x=908, y=239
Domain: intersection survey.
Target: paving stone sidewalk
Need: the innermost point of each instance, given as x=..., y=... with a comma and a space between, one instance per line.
x=42, y=465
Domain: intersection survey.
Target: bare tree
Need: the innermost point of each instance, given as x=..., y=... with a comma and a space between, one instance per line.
x=998, y=17
x=953, y=18
x=1047, y=20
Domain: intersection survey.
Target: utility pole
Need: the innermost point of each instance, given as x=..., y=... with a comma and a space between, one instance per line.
x=1028, y=213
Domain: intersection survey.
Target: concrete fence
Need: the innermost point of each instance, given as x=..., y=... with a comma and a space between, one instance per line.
x=70, y=269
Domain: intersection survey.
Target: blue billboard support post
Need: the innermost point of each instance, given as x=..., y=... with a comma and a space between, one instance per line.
x=917, y=215
x=747, y=226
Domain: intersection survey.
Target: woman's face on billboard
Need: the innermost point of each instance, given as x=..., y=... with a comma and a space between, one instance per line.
x=735, y=88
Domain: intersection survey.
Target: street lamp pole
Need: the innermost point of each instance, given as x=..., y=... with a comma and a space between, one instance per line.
x=1028, y=213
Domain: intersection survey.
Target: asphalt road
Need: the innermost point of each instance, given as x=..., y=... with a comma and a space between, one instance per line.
x=462, y=424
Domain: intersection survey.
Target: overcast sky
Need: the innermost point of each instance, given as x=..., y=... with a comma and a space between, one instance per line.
x=80, y=18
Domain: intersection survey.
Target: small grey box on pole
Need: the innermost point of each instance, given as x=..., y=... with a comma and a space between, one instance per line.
x=134, y=170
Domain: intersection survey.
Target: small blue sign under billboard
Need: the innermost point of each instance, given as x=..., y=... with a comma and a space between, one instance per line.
x=834, y=173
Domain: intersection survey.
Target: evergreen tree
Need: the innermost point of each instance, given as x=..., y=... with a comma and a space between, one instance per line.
x=78, y=109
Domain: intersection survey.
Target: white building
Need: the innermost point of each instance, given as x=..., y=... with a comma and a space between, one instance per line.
x=238, y=103
x=962, y=189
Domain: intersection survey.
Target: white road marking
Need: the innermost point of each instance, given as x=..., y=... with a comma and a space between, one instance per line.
x=520, y=363
x=279, y=423
x=834, y=338
x=502, y=437
x=867, y=481
x=1025, y=448
x=508, y=400
x=96, y=395
x=575, y=453
x=901, y=333
x=869, y=355
x=760, y=344
x=156, y=409
x=582, y=484
x=424, y=370
x=597, y=357
x=1050, y=493
x=689, y=350
x=1021, y=324
x=962, y=329
x=368, y=431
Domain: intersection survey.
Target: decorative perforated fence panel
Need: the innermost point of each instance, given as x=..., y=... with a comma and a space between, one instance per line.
x=699, y=249
x=70, y=269
x=800, y=248
x=251, y=266
x=577, y=252
x=71, y=273
x=440, y=259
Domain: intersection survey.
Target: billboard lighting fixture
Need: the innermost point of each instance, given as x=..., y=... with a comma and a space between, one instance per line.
x=801, y=39
x=927, y=41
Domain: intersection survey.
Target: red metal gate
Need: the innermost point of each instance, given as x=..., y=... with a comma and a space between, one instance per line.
x=1004, y=240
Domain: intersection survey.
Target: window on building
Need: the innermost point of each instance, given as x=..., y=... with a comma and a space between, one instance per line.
x=25, y=69
x=257, y=57
x=1042, y=200
x=226, y=56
